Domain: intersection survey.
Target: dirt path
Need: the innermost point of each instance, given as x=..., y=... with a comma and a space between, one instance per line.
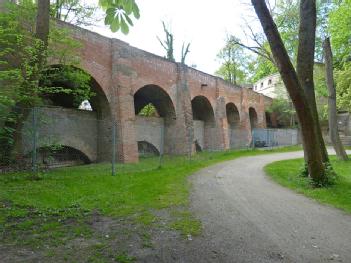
x=248, y=218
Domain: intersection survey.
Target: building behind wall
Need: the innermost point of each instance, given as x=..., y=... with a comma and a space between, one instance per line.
x=270, y=86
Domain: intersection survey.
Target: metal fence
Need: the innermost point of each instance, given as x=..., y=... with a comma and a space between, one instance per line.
x=44, y=138
x=274, y=137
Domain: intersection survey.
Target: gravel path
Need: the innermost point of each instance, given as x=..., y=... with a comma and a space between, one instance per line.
x=248, y=218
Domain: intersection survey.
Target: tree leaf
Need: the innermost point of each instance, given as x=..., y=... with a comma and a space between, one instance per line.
x=130, y=22
x=136, y=11
x=124, y=26
x=115, y=24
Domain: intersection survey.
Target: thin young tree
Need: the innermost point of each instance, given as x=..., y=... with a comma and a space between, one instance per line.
x=333, y=124
x=185, y=52
x=167, y=44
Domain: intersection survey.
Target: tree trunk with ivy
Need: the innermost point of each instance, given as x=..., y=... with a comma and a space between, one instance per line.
x=309, y=126
x=332, y=118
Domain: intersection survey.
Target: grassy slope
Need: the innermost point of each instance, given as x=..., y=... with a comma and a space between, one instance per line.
x=93, y=188
x=66, y=205
x=338, y=195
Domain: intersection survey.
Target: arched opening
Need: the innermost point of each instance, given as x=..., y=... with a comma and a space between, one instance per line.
x=233, y=116
x=155, y=95
x=155, y=118
x=147, y=149
x=234, y=132
x=60, y=156
x=75, y=89
x=204, y=123
x=253, y=118
x=269, y=122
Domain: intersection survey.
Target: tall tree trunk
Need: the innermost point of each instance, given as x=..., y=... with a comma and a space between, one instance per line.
x=42, y=33
x=305, y=61
x=333, y=125
x=43, y=27
x=309, y=127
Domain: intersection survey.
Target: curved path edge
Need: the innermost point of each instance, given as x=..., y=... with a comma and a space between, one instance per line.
x=246, y=217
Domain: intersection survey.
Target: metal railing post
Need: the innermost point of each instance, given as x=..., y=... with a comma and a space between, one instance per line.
x=114, y=149
x=34, y=148
x=162, y=142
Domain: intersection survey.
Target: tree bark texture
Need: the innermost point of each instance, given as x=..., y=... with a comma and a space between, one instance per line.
x=43, y=21
x=309, y=128
x=305, y=61
x=333, y=123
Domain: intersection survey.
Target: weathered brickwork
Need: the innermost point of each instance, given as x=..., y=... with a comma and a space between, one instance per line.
x=123, y=73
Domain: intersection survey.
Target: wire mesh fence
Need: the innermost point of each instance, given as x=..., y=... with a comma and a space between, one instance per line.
x=44, y=138
x=275, y=137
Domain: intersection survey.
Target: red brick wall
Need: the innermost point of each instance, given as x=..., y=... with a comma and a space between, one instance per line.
x=121, y=70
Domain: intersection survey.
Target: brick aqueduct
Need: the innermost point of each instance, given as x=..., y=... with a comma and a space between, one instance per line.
x=194, y=107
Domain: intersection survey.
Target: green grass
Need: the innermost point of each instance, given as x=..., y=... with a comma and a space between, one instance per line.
x=57, y=206
x=92, y=186
x=286, y=173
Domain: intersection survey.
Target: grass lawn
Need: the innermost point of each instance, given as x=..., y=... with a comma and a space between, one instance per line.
x=338, y=195
x=62, y=204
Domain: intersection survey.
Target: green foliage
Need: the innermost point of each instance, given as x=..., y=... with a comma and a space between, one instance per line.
x=343, y=87
x=118, y=14
x=286, y=15
x=262, y=68
x=74, y=12
x=149, y=111
x=304, y=170
x=282, y=107
x=66, y=80
x=235, y=62
x=23, y=81
x=339, y=27
x=124, y=258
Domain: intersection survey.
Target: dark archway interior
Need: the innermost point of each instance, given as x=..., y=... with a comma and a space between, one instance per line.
x=233, y=116
x=98, y=101
x=253, y=118
x=152, y=94
x=202, y=110
x=147, y=149
x=269, y=123
x=197, y=146
x=58, y=156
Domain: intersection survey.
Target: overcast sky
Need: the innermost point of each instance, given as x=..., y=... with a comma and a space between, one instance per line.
x=204, y=23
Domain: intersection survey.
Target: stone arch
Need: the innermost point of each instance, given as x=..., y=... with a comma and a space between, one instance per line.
x=61, y=156
x=100, y=106
x=233, y=116
x=147, y=149
x=253, y=118
x=202, y=110
x=158, y=129
x=158, y=97
x=99, y=101
x=234, y=132
x=204, y=123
